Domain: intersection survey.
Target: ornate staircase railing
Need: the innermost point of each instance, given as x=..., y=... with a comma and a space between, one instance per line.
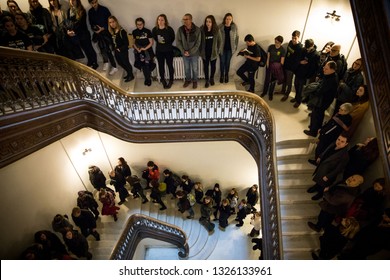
x=46, y=97
x=138, y=227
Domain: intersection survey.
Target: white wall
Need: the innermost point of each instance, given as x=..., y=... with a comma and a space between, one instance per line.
x=31, y=196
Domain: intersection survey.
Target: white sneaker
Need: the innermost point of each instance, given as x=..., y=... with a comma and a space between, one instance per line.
x=113, y=71
x=105, y=66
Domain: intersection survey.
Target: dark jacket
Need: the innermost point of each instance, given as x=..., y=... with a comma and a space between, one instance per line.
x=332, y=167
x=252, y=197
x=97, y=178
x=183, y=204
x=326, y=92
x=338, y=199
x=293, y=56
x=306, y=71
x=86, y=222
x=78, y=245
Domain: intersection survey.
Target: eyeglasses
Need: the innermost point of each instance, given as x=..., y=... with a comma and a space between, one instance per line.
x=186, y=19
x=334, y=50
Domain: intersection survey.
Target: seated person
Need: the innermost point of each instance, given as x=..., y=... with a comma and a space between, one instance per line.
x=252, y=55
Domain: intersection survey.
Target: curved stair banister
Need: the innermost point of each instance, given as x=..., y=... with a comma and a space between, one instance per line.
x=138, y=227
x=47, y=97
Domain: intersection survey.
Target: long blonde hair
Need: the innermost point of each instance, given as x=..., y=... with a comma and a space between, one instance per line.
x=349, y=227
x=118, y=26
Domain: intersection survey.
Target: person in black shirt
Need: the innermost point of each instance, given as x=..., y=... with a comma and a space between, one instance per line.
x=211, y=47
x=164, y=36
x=121, y=45
x=14, y=38
x=143, y=51
x=252, y=55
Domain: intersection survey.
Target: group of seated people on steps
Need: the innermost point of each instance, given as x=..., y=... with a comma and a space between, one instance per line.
x=349, y=214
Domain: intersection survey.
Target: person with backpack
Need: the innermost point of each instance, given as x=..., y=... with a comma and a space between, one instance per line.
x=137, y=189
x=252, y=54
x=274, y=71
x=96, y=177
x=151, y=173
x=119, y=183
x=85, y=200
x=205, y=214
x=291, y=63
x=156, y=195
x=170, y=182
x=121, y=46
x=306, y=69
x=184, y=204
x=108, y=201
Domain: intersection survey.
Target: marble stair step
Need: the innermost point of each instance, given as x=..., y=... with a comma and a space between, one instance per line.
x=294, y=162
x=295, y=147
x=297, y=255
x=295, y=196
x=299, y=211
x=299, y=243
x=297, y=227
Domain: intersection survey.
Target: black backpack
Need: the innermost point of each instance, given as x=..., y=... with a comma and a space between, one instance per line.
x=263, y=55
x=344, y=66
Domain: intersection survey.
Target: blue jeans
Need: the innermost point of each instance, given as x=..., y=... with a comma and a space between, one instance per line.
x=191, y=68
x=225, y=58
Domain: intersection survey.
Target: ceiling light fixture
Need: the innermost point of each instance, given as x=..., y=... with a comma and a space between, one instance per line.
x=333, y=16
x=86, y=151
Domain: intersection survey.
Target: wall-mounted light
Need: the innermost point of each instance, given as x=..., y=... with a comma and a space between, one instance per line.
x=333, y=16
x=86, y=151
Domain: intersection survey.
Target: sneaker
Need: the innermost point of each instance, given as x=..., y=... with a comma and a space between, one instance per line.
x=113, y=71
x=105, y=66
x=186, y=84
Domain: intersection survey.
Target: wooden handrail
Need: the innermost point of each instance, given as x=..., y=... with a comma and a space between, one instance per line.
x=138, y=227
